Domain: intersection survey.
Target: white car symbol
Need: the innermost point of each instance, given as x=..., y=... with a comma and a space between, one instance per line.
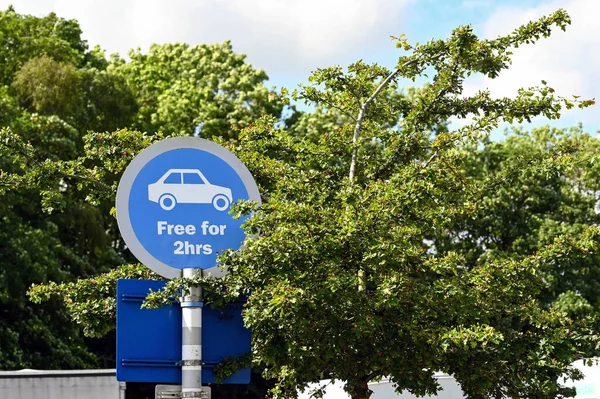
x=188, y=186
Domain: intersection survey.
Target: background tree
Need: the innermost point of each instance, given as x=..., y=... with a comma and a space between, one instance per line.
x=42, y=61
x=24, y=36
x=206, y=88
x=528, y=215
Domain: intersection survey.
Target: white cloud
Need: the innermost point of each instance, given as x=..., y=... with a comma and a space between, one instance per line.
x=568, y=61
x=281, y=36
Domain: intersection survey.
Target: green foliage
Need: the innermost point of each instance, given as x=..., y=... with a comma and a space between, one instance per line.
x=8, y=107
x=552, y=193
x=37, y=247
x=229, y=365
x=47, y=86
x=383, y=273
x=89, y=98
x=109, y=102
x=180, y=88
x=315, y=124
x=51, y=93
x=572, y=303
x=24, y=36
x=91, y=302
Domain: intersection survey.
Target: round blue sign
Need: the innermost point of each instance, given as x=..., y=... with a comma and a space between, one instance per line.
x=173, y=205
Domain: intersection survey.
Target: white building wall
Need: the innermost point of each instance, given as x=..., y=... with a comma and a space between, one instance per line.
x=587, y=388
x=68, y=384
x=450, y=390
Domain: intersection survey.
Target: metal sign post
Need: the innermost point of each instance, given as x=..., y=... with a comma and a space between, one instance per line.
x=172, y=209
x=191, y=340
x=174, y=392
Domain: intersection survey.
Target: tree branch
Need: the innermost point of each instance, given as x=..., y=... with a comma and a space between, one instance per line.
x=363, y=109
x=361, y=115
x=434, y=156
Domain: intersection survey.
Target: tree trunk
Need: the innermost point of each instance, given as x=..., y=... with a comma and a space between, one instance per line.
x=361, y=390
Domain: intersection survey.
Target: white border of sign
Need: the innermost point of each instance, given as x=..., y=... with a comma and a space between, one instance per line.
x=131, y=172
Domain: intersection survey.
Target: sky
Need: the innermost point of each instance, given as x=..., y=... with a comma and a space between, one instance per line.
x=290, y=38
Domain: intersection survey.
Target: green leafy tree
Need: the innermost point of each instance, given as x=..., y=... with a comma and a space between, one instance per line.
x=88, y=98
x=109, y=101
x=49, y=96
x=345, y=277
x=207, y=87
x=22, y=36
x=48, y=86
x=34, y=248
x=539, y=206
x=359, y=263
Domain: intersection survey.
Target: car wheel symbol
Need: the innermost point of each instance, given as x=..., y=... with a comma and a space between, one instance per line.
x=220, y=202
x=167, y=202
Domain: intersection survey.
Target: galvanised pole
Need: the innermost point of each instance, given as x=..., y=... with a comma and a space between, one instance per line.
x=191, y=340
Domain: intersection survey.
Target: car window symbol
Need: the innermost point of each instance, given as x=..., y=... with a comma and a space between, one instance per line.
x=188, y=186
x=192, y=178
x=173, y=178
